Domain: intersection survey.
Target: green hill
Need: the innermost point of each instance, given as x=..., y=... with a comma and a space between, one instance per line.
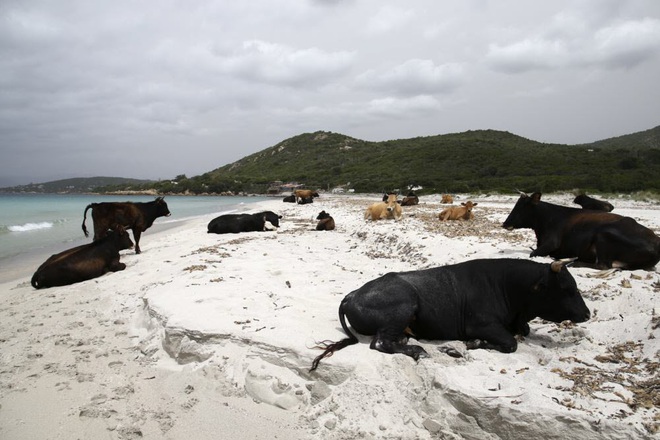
x=472, y=161
x=481, y=160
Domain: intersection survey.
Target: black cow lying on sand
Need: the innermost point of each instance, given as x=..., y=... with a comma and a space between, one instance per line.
x=601, y=240
x=235, y=223
x=289, y=199
x=590, y=203
x=484, y=302
x=326, y=222
x=138, y=216
x=83, y=262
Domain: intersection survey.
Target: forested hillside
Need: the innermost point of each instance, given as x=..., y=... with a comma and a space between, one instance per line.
x=482, y=160
x=75, y=185
x=472, y=161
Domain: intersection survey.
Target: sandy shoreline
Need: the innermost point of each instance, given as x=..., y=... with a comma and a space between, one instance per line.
x=206, y=336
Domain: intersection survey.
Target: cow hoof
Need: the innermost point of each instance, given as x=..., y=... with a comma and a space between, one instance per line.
x=473, y=344
x=416, y=352
x=451, y=351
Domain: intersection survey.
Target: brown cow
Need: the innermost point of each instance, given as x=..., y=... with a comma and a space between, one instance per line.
x=384, y=210
x=447, y=199
x=136, y=216
x=83, y=262
x=326, y=222
x=302, y=194
x=463, y=212
x=410, y=200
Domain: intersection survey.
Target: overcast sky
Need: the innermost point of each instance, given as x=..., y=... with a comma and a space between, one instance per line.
x=156, y=88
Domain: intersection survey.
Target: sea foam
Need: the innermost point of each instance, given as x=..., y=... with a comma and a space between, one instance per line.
x=30, y=227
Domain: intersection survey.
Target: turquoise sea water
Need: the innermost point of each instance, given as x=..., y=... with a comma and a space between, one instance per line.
x=49, y=223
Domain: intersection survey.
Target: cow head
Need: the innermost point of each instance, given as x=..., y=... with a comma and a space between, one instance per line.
x=557, y=298
x=161, y=208
x=322, y=215
x=272, y=220
x=469, y=205
x=121, y=238
x=391, y=202
x=522, y=214
x=268, y=226
x=580, y=199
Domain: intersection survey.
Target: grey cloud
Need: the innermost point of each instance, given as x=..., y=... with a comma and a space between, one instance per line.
x=160, y=88
x=621, y=45
x=273, y=63
x=388, y=18
x=627, y=44
x=415, y=77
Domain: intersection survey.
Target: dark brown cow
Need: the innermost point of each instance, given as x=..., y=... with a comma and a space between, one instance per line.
x=598, y=239
x=83, y=262
x=130, y=215
x=410, y=200
x=326, y=222
x=590, y=203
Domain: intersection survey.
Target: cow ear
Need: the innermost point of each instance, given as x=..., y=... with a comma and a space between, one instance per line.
x=463, y=203
x=536, y=197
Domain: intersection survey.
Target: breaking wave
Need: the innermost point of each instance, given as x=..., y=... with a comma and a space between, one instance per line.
x=30, y=227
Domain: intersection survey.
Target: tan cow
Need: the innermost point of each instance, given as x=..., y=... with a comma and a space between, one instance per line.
x=447, y=198
x=463, y=212
x=384, y=210
x=305, y=194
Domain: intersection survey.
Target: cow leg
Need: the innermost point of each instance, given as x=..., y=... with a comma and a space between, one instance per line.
x=546, y=248
x=136, y=236
x=520, y=327
x=494, y=337
x=392, y=338
x=386, y=344
x=116, y=266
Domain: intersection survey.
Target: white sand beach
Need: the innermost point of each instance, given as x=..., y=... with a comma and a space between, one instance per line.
x=207, y=336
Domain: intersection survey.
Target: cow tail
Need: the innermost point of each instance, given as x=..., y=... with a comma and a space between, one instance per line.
x=329, y=347
x=84, y=228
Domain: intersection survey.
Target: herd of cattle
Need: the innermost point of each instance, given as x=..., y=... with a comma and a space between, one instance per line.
x=485, y=302
x=488, y=302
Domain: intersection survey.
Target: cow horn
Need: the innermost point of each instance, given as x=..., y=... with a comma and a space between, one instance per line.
x=521, y=193
x=558, y=264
